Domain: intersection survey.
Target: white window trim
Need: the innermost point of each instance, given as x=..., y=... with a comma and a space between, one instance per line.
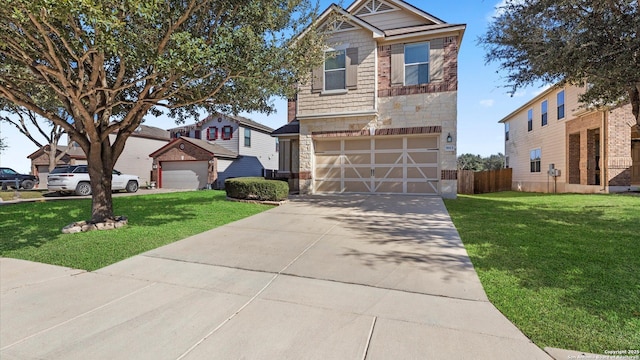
x=428, y=62
x=324, y=73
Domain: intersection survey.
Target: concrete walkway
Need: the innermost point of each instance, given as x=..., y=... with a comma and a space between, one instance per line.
x=341, y=277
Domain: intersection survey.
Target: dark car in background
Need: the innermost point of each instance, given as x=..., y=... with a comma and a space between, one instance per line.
x=10, y=178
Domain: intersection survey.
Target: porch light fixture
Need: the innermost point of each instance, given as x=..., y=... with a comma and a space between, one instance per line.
x=449, y=138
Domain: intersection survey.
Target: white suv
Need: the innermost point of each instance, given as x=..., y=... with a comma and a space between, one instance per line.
x=75, y=179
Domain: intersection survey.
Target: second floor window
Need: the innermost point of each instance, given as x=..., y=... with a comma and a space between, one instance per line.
x=247, y=137
x=543, y=110
x=506, y=131
x=416, y=64
x=335, y=70
x=560, y=98
x=530, y=120
x=227, y=132
x=212, y=133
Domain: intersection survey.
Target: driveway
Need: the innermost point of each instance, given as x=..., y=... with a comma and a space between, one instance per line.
x=331, y=277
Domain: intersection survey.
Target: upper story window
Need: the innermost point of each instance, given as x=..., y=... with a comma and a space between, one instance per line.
x=335, y=70
x=277, y=145
x=543, y=110
x=247, y=137
x=506, y=131
x=416, y=64
x=212, y=133
x=534, y=160
x=227, y=132
x=560, y=102
x=530, y=120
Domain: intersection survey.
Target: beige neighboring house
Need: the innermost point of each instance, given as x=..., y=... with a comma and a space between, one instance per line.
x=591, y=151
x=380, y=115
x=134, y=160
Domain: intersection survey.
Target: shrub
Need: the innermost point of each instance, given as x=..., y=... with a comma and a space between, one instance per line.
x=256, y=188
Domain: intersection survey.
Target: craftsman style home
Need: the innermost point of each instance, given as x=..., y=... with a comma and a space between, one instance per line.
x=554, y=144
x=380, y=115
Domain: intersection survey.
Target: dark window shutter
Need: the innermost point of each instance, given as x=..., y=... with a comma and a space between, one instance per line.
x=397, y=64
x=197, y=134
x=317, y=79
x=436, y=60
x=352, y=68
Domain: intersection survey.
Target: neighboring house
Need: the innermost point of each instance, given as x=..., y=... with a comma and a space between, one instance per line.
x=591, y=150
x=134, y=159
x=380, y=115
x=204, y=154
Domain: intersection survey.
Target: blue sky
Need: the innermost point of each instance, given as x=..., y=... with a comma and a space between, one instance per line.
x=483, y=98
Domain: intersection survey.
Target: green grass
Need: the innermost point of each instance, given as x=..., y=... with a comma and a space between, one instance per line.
x=565, y=269
x=31, y=231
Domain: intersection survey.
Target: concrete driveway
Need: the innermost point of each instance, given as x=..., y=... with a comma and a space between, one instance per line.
x=331, y=277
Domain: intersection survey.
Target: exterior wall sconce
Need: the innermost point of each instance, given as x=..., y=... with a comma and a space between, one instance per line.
x=154, y=166
x=449, y=138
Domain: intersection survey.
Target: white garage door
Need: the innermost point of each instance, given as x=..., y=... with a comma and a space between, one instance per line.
x=404, y=165
x=184, y=174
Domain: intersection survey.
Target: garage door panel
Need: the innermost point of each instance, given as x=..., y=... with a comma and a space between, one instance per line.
x=388, y=144
x=329, y=186
x=422, y=157
x=422, y=142
x=388, y=158
x=429, y=187
x=364, y=144
x=333, y=145
x=327, y=159
x=357, y=159
x=184, y=174
x=357, y=186
x=422, y=172
x=388, y=172
x=328, y=173
x=394, y=187
x=357, y=173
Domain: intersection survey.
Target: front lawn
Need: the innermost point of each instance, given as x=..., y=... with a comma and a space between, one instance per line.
x=565, y=269
x=31, y=231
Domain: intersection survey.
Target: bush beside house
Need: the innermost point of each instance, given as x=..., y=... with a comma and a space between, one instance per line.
x=256, y=188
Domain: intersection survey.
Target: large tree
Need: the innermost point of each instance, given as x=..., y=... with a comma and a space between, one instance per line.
x=593, y=42
x=108, y=63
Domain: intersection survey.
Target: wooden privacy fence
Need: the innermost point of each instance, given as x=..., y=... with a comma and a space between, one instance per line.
x=470, y=182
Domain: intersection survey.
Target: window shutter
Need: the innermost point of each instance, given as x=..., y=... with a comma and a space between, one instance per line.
x=317, y=78
x=436, y=60
x=397, y=64
x=352, y=68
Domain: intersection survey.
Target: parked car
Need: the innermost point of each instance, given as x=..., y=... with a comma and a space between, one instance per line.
x=10, y=177
x=75, y=179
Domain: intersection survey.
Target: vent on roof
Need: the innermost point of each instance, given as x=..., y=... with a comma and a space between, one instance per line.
x=374, y=6
x=345, y=26
x=338, y=26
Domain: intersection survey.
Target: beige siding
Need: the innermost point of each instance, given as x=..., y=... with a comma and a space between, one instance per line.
x=394, y=19
x=360, y=99
x=550, y=139
x=135, y=158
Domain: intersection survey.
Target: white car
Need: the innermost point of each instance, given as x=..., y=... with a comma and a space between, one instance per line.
x=75, y=179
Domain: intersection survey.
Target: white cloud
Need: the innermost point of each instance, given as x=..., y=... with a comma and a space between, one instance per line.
x=541, y=90
x=498, y=9
x=487, y=102
x=519, y=94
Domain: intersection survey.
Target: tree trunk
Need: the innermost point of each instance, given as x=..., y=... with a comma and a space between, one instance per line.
x=100, y=165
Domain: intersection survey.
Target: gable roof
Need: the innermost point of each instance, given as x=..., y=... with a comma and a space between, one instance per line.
x=151, y=132
x=213, y=149
x=401, y=4
x=377, y=33
x=75, y=152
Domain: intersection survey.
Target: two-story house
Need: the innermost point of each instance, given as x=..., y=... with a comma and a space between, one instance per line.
x=380, y=115
x=204, y=154
x=589, y=150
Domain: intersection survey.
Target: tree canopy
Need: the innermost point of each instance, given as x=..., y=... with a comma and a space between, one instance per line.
x=97, y=67
x=479, y=163
x=592, y=42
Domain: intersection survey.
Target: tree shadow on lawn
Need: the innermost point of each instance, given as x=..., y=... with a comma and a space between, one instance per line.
x=36, y=223
x=586, y=247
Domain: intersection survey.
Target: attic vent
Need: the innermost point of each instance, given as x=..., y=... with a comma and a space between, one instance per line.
x=374, y=6
x=345, y=26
